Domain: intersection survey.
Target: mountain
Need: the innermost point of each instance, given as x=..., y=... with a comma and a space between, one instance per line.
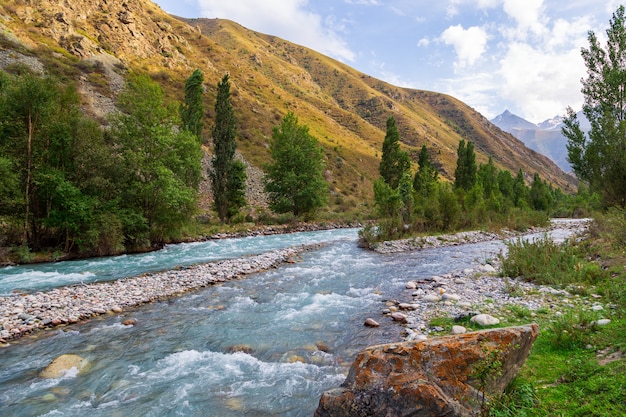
x=545, y=137
x=97, y=43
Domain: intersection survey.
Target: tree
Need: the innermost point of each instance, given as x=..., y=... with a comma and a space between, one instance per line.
x=426, y=176
x=599, y=157
x=228, y=177
x=394, y=162
x=294, y=179
x=192, y=109
x=465, y=172
x=158, y=165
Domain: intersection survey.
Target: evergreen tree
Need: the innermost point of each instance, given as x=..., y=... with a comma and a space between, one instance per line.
x=192, y=110
x=294, y=179
x=600, y=157
x=465, y=172
x=394, y=162
x=228, y=177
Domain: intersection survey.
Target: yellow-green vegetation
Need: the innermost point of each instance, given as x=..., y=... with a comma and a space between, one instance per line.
x=578, y=363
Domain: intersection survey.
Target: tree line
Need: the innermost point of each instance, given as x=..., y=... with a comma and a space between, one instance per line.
x=72, y=186
x=480, y=195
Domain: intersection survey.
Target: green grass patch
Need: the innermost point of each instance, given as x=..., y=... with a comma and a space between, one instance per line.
x=576, y=367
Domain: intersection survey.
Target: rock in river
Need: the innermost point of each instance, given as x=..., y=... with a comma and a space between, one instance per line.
x=63, y=364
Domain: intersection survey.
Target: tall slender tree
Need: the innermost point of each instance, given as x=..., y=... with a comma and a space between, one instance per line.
x=426, y=176
x=395, y=162
x=600, y=157
x=465, y=172
x=228, y=177
x=192, y=109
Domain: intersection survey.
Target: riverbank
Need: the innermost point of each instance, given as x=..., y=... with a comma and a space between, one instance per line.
x=248, y=230
x=29, y=313
x=461, y=238
x=429, y=305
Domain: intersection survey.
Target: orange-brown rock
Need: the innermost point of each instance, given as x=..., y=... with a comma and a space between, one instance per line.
x=445, y=376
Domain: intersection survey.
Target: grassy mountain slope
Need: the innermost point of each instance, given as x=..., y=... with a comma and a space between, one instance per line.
x=97, y=42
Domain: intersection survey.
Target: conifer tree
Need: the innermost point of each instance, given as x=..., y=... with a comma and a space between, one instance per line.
x=228, y=178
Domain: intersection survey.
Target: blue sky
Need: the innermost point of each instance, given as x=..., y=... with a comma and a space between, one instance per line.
x=520, y=55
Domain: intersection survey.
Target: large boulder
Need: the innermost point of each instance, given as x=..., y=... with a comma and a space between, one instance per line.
x=446, y=376
x=63, y=364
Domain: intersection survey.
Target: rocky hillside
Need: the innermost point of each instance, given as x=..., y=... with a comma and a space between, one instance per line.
x=97, y=42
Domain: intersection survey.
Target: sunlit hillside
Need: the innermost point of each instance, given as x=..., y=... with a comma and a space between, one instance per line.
x=97, y=43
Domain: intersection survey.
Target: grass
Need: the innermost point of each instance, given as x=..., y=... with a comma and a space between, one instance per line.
x=576, y=367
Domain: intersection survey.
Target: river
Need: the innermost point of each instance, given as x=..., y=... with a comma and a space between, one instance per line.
x=265, y=345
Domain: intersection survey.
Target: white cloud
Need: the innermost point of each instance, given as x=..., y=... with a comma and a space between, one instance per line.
x=424, y=42
x=528, y=14
x=540, y=83
x=288, y=19
x=469, y=44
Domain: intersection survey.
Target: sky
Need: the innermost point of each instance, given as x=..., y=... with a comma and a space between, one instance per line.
x=494, y=55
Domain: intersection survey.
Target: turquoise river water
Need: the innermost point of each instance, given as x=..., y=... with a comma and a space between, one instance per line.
x=302, y=324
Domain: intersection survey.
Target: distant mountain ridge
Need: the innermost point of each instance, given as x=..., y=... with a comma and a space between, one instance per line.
x=545, y=137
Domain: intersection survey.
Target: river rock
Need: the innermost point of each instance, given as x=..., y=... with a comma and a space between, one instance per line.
x=371, y=323
x=64, y=363
x=458, y=330
x=484, y=320
x=431, y=298
x=451, y=297
x=399, y=317
x=428, y=378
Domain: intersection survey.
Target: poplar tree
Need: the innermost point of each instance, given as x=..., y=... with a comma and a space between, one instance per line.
x=599, y=157
x=426, y=176
x=228, y=176
x=465, y=172
x=394, y=162
x=192, y=110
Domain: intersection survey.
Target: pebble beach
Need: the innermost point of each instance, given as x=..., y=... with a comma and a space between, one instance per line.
x=23, y=314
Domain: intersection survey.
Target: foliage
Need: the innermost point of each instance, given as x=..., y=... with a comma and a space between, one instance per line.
x=192, y=109
x=50, y=155
x=545, y=262
x=426, y=176
x=465, y=172
x=600, y=157
x=294, y=179
x=562, y=375
x=394, y=162
x=228, y=177
x=158, y=166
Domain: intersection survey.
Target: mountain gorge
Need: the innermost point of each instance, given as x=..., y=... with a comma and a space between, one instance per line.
x=97, y=44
